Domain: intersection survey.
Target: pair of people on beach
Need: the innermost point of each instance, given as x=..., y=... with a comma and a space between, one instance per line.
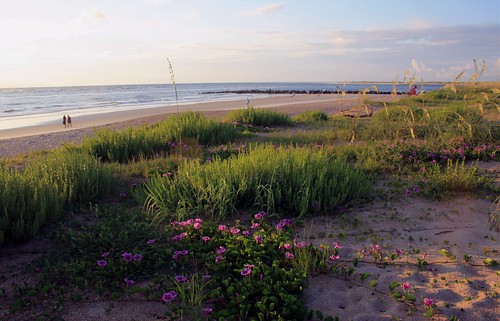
x=67, y=121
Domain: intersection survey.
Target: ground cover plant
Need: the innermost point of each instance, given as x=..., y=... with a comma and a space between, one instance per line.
x=211, y=218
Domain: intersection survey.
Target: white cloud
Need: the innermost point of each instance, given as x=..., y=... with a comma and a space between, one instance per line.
x=92, y=16
x=266, y=9
x=419, y=67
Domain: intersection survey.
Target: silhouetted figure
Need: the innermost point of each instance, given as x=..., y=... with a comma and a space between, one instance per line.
x=69, y=121
x=64, y=121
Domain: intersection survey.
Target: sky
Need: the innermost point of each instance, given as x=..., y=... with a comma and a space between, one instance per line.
x=105, y=42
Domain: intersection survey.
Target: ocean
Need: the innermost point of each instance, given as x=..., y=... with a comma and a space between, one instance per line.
x=38, y=104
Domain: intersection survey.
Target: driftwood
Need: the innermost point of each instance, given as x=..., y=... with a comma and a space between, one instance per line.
x=361, y=111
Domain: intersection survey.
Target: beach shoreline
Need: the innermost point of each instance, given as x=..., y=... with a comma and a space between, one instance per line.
x=24, y=140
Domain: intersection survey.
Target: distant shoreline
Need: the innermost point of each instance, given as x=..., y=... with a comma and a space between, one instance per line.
x=44, y=137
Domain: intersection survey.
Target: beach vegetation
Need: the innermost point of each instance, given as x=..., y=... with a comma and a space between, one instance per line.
x=299, y=181
x=209, y=219
x=258, y=117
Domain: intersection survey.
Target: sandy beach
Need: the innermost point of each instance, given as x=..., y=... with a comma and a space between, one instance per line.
x=28, y=139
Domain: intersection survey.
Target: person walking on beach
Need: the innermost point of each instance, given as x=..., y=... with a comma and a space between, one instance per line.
x=64, y=121
x=69, y=121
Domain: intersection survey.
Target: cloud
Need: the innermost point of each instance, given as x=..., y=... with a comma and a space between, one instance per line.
x=419, y=67
x=266, y=9
x=92, y=16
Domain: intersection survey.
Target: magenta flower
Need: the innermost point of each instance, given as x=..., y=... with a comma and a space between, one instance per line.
x=197, y=226
x=127, y=256
x=406, y=286
x=235, y=230
x=221, y=250
x=246, y=272
x=260, y=215
x=415, y=189
x=428, y=302
x=105, y=254
x=151, y=241
x=122, y=195
x=258, y=239
x=407, y=192
x=254, y=225
x=129, y=281
x=102, y=263
x=337, y=245
x=170, y=174
x=289, y=255
x=206, y=277
x=287, y=246
x=205, y=239
x=207, y=311
x=302, y=244
x=222, y=228
x=334, y=258
x=137, y=257
x=218, y=259
x=168, y=296
x=180, y=279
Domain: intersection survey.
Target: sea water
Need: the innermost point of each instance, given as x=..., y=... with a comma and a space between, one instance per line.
x=33, y=106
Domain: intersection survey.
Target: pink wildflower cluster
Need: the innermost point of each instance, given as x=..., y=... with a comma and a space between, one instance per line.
x=220, y=254
x=283, y=223
x=128, y=257
x=196, y=223
x=179, y=237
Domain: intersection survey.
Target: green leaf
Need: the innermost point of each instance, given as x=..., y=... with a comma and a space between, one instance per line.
x=373, y=283
x=394, y=285
x=365, y=276
x=319, y=314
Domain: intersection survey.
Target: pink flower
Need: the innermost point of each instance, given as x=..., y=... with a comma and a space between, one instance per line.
x=221, y=250
x=222, y=228
x=289, y=255
x=246, y=271
x=197, y=226
x=207, y=311
x=205, y=239
x=334, y=257
x=102, y=263
x=337, y=245
x=168, y=296
x=127, y=256
x=137, y=257
x=258, y=239
x=260, y=215
x=255, y=225
x=428, y=302
x=218, y=259
x=235, y=230
x=287, y=246
x=406, y=286
x=180, y=279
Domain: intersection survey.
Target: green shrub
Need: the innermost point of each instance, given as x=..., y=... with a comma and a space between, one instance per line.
x=310, y=116
x=258, y=117
x=36, y=195
x=296, y=180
